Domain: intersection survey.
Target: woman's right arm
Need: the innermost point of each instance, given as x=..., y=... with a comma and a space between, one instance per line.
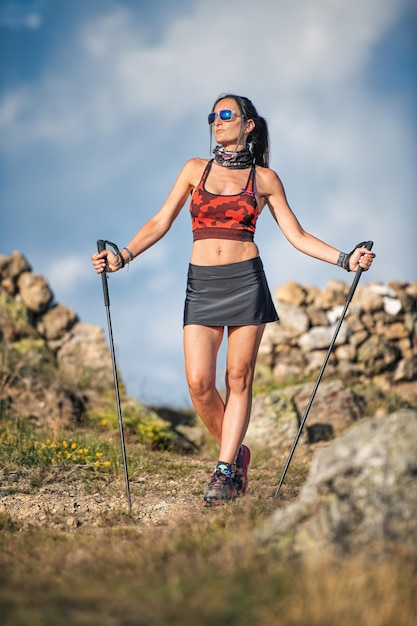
x=155, y=228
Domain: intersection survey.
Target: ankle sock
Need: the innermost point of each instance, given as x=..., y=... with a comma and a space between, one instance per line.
x=225, y=468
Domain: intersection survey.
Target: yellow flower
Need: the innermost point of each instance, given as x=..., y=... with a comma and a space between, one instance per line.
x=73, y=445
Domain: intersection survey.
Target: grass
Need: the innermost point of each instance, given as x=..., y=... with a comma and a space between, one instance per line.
x=195, y=575
x=20, y=445
x=182, y=565
x=201, y=568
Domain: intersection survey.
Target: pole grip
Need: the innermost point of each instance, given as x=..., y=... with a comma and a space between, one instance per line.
x=364, y=244
x=101, y=245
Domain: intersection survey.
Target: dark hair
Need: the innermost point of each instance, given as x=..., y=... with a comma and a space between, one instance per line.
x=259, y=137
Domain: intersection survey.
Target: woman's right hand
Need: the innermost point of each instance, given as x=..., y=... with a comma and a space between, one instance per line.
x=106, y=261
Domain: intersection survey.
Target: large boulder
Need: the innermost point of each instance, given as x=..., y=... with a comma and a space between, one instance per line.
x=274, y=422
x=361, y=493
x=276, y=415
x=85, y=353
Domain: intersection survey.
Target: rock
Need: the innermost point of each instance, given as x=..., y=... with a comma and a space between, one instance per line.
x=86, y=350
x=321, y=336
x=289, y=364
x=353, y=320
x=404, y=294
x=411, y=290
x=333, y=294
x=406, y=370
x=346, y=352
x=10, y=269
x=377, y=354
x=55, y=323
x=274, y=422
x=34, y=292
x=397, y=330
x=315, y=360
x=316, y=315
x=293, y=319
x=382, y=290
x=335, y=313
x=291, y=293
x=360, y=494
x=392, y=306
x=334, y=404
x=368, y=299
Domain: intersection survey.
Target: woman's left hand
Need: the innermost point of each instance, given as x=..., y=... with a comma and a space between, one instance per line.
x=361, y=258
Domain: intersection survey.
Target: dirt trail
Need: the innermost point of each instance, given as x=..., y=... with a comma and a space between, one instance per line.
x=72, y=500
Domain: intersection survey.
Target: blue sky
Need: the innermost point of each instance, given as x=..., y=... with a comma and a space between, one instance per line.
x=101, y=103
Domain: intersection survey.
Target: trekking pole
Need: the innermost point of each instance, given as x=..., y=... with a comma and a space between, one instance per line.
x=101, y=244
x=364, y=244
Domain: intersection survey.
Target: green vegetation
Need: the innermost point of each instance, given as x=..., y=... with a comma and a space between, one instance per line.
x=189, y=567
x=21, y=447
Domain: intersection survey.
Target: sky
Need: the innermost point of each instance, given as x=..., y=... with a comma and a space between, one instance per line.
x=102, y=102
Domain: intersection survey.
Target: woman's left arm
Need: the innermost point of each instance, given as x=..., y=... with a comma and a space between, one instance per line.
x=270, y=187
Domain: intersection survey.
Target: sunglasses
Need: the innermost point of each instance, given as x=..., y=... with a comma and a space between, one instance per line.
x=226, y=115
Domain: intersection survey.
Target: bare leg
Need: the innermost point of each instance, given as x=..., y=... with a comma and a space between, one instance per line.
x=201, y=345
x=227, y=424
x=241, y=359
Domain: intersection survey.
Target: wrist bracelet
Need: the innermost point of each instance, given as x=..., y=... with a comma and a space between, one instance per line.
x=343, y=261
x=130, y=253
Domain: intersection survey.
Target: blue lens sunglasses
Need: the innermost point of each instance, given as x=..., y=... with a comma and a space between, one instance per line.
x=226, y=115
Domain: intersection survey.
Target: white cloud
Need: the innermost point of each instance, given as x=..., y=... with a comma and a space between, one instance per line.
x=118, y=76
x=67, y=273
x=100, y=131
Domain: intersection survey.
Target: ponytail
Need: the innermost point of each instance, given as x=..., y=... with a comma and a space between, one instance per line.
x=259, y=141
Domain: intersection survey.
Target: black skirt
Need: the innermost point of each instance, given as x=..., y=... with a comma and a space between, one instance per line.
x=236, y=294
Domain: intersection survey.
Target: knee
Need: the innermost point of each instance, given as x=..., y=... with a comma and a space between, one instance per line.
x=200, y=386
x=239, y=379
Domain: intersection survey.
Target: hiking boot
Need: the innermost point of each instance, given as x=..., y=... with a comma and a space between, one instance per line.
x=220, y=490
x=240, y=470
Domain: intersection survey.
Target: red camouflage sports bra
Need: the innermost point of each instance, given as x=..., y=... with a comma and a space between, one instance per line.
x=215, y=216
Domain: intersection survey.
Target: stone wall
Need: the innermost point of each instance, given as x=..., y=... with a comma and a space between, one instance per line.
x=377, y=340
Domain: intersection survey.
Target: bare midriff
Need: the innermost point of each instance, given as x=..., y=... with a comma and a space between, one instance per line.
x=222, y=251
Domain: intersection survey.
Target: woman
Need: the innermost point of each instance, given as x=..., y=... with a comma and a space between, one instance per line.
x=226, y=282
